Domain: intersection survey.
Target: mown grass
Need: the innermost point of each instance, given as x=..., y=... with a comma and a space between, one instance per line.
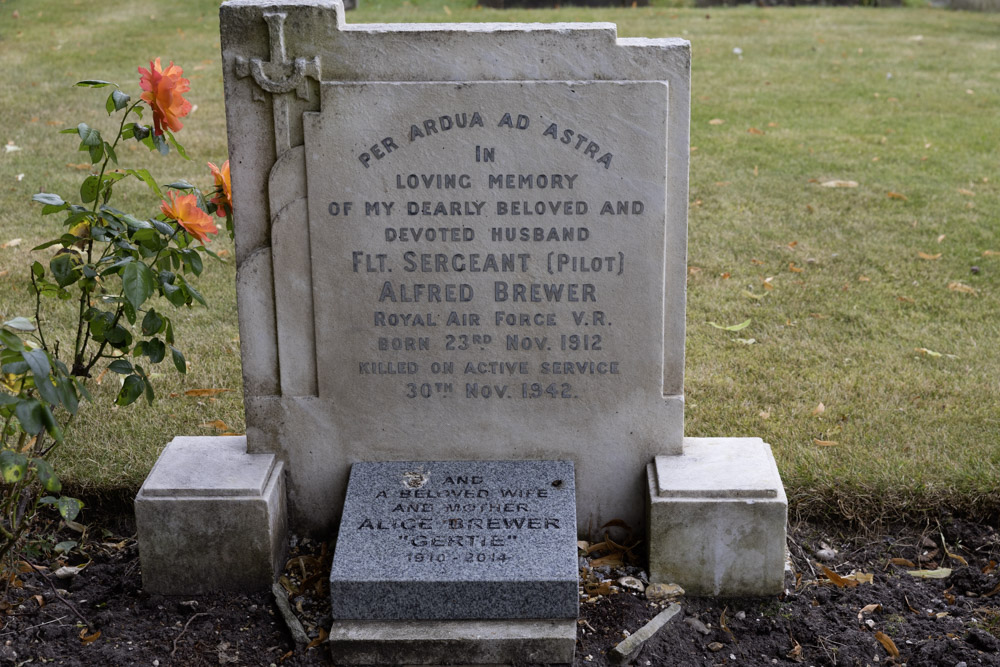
x=843, y=309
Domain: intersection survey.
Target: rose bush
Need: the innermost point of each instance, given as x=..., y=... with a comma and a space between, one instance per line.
x=121, y=272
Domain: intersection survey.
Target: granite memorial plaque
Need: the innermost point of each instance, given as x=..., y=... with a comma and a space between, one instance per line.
x=457, y=540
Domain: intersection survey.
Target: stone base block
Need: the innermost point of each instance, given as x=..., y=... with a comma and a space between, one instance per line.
x=716, y=518
x=494, y=642
x=211, y=517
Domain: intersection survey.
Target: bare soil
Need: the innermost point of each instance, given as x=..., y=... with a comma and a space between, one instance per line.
x=101, y=616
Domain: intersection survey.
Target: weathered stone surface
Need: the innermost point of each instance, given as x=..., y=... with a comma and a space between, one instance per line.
x=473, y=343
x=717, y=517
x=457, y=540
x=505, y=642
x=211, y=517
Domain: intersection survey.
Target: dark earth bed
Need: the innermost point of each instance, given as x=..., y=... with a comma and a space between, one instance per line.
x=819, y=620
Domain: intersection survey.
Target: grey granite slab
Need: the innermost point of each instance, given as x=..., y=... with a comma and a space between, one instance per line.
x=457, y=540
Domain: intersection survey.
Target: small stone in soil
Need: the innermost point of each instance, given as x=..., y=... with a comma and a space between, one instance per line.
x=715, y=647
x=697, y=625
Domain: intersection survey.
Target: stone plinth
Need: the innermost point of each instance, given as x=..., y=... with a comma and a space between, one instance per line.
x=211, y=517
x=716, y=518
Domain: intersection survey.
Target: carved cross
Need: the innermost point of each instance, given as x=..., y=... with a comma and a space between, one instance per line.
x=280, y=76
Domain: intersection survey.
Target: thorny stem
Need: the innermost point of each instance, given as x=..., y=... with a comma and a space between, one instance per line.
x=83, y=334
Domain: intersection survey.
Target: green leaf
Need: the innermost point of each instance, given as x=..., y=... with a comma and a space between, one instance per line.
x=62, y=266
x=174, y=294
x=180, y=149
x=38, y=362
x=152, y=323
x=109, y=105
x=20, y=324
x=48, y=198
x=89, y=189
x=51, y=425
x=160, y=144
x=732, y=327
x=88, y=135
x=12, y=466
x=11, y=341
x=180, y=185
x=110, y=150
x=69, y=508
x=47, y=476
x=121, y=100
x=179, y=362
x=155, y=350
x=37, y=269
x=66, y=546
x=193, y=261
x=120, y=366
x=93, y=83
x=67, y=389
x=29, y=413
x=131, y=390
x=136, y=223
x=144, y=176
x=137, y=281
x=97, y=153
x=150, y=397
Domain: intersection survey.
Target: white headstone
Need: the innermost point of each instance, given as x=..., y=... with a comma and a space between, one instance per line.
x=458, y=242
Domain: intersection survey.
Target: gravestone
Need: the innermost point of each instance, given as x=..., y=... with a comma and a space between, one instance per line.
x=468, y=243
x=457, y=242
x=478, y=545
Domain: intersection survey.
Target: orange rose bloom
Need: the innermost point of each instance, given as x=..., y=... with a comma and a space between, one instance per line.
x=224, y=189
x=164, y=88
x=184, y=209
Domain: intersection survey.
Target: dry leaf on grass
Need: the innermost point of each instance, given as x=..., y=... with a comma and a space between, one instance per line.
x=825, y=443
x=956, y=286
x=928, y=256
x=13, y=243
x=991, y=253
x=967, y=193
x=754, y=130
x=818, y=410
x=897, y=195
x=839, y=184
x=716, y=121
x=205, y=392
x=217, y=424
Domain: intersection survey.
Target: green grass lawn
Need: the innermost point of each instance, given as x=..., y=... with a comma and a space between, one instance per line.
x=881, y=301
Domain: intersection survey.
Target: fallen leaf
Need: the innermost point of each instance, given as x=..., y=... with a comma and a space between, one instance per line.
x=993, y=592
x=867, y=609
x=765, y=414
x=716, y=121
x=929, y=353
x=772, y=124
x=13, y=243
x=754, y=130
x=967, y=193
x=614, y=560
x=693, y=270
x=940, y=238
x=902, y=561
x=905, y=299
x=322, y=632
x=887, y=644
x=795, y=269
x=205, y=392
x=928, y=256
x=819, y=409
x=861, y=577
x=755, y=261
x=217, y=424
x=839, y=184
x=961, y=287
x=897, y=195
x=991, y=253
x=838, y=581
x=89, y=639
x=725, y=276
x=825, y=443
x=940, y=573
x=990, y=567
x=746, y=341
x=751, y=295
x=732, y=327
x=864, y=279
